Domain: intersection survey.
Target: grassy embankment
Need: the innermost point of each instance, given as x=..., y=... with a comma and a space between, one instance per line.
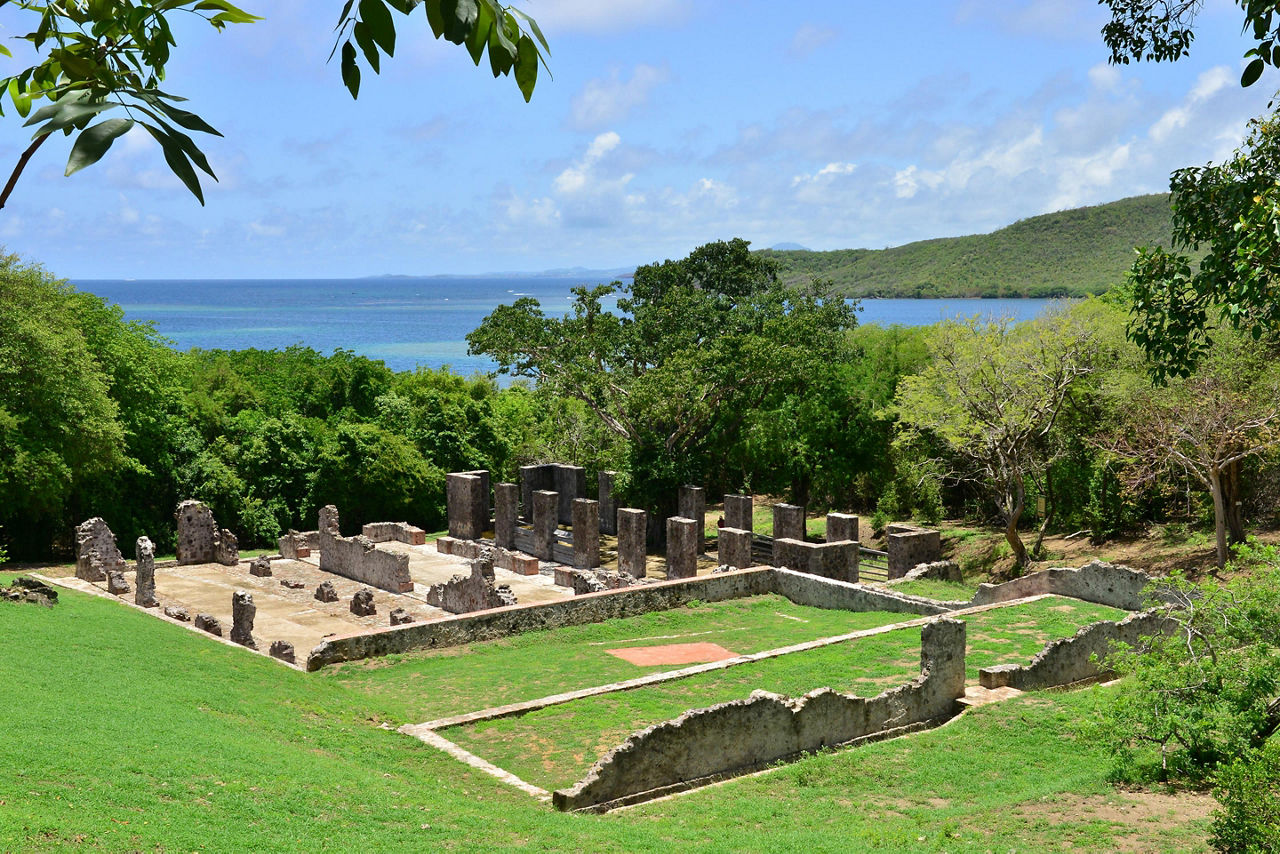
x=125, y=733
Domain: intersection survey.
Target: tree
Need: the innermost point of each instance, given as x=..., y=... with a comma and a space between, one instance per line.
x=1162, y=30
x=992, y=395
x=111, y=54
x=1205, y=424
x=698, y=344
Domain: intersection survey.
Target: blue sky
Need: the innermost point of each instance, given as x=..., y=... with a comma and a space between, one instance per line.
x=668, y=124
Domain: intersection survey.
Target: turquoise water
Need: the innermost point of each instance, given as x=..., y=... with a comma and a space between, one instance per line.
x=405, y=322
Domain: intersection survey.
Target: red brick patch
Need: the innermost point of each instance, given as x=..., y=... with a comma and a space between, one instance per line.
x=673, y=653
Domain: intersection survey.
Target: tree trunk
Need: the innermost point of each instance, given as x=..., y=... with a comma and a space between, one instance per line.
x=1016, y=502
x=1048, y=514
x=1231, y=503
x=1219, y=516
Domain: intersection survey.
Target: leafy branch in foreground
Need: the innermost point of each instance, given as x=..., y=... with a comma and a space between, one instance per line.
x=111, y=54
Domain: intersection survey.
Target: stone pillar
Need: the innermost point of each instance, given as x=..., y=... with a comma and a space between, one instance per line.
x=97, y=553
x=481, y=505
x=571, y=483
x=464, y=495
x=586, y=533
x=682, y=547
x=788, y=524
x=545, y=504
x=633, y=529
x=506, y=500
x=909, y=547
x=693, y=505
x=242, y=613
x=327, y=521
x=530, y=482
x=841, y=526
x=738, y=511
x=608, y=508
x=735, y=547
x=144, y=581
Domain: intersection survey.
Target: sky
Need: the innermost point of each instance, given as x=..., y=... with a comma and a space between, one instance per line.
x=665, y=124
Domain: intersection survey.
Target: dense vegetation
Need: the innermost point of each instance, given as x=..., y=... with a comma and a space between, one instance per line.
x=1068, y=253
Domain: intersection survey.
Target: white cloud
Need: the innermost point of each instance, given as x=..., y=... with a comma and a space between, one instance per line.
x=594, y=16
x=610, y=100
x=810, y=38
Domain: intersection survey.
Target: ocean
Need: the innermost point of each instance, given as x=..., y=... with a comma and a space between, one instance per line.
x=405, y=322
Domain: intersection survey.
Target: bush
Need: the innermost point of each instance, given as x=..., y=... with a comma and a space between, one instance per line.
x=1249, y=792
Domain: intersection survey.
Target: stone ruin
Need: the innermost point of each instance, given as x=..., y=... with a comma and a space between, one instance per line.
x=463, y=594
x=173, y=612
x=595, y=580
x=208, y=623
x=96, y=551
x=938, y=570
x=399, y=532
x=29, y=590
x=260, y=567
x=243, y=612
x=145, y=577
x=400, y=617
x=908, y=547
x=362, y=604
x=295, y=546
x=117, y=585
x=325, y=592
x=283, y=650
x=200, y=540
x=359, y=558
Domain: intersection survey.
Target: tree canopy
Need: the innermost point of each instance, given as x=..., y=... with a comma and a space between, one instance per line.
x=111, y=55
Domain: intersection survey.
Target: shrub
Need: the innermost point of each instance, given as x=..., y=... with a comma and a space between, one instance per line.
x=1249, y=792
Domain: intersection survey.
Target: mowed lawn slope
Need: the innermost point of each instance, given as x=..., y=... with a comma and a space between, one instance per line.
x=122, y=732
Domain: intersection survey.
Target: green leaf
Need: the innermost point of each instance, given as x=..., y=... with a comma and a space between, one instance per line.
x=66, y=112
x=365, y=39
x=346, y=10
x=501, y=51
x=1252, y=72
x=534, y=28
x=177, y=161
x=21, y=100
x=526, y=67
x=480, y=35
x=435, y=17
x=93, y=142
x=378, y=19
x=350, y=71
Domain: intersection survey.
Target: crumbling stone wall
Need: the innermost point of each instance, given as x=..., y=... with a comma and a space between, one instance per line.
x=463, y=594
x=397, y=532
x=1096, y=581
x=743, y=735
x=96, y=551
x=294, y=545
x=909, y=547
x=361, y=560
x=200, y=540
x=1070, y=660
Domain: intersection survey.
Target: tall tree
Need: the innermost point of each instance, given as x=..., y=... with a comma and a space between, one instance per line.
x=111, y=54
x=696, y=346
x=992, y=394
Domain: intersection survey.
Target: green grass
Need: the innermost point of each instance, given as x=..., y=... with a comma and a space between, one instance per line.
x=124, y=733
x=554, y=746
x=431, y=684
x=930, y=589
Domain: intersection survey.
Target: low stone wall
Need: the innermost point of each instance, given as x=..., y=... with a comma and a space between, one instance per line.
x=837, y=560
x=398, y=532
x=359, y=559
x=1103, y=583
x=503, y=622
x=741, y=736
x=1070, y=660
x=803, y=588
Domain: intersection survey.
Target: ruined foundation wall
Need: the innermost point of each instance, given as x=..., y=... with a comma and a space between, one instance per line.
x=743, y=735
x=1104, y=583
x=399, y=532
x=359, y=559
x=805, y=589
x=589, y=608
x=1069, y=660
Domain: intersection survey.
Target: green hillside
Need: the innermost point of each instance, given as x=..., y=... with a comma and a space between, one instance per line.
x=1069, y=253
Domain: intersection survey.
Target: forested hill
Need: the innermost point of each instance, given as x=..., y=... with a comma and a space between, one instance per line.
x=1069, y=253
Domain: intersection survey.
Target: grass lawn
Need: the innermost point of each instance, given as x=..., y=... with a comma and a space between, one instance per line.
x=553, y=747
x=124, y=733
x=424, y=685
x=946, y=591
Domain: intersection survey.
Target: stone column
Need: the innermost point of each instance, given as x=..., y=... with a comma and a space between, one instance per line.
x=909, y=547
x=608, y=508
x=242, y=613
x=682, y=547
x=735, y=547
x=693, y=505
x=506, y=501
x=145, y=581
x=633, y=529
x=841, y=526
x=480, y=501
x=586, y=533
x=571, y=483
x=788, y=524
x=463, y=496
x=545, y=504
x=327, y=523
x=529, y=484
x=738, y=511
